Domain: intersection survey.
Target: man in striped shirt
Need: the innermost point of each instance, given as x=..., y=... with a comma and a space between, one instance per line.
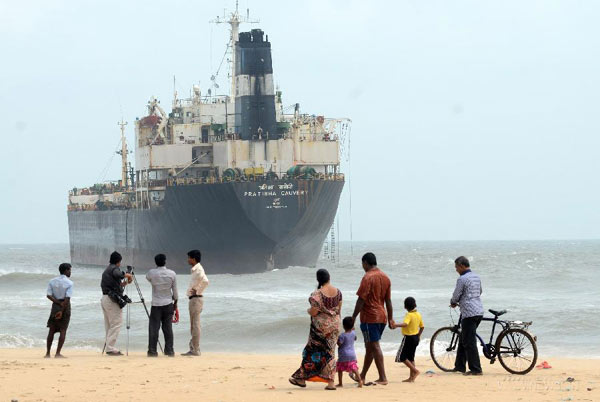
x=467, y=295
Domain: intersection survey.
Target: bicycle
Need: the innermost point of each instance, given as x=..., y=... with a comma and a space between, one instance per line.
x=514, y=347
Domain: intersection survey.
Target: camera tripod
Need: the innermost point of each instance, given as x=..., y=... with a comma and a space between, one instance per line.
x=128, y=322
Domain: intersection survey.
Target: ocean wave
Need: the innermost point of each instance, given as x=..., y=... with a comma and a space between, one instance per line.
x=15, y=341
x=19, y=303
x=21, y=276
x=263, y=328
x=20, y=341
x=39, y=301
x=262, y=296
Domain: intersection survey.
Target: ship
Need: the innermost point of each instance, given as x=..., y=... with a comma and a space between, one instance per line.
x=251, y=183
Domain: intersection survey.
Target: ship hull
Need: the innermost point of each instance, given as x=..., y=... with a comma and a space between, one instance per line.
x=240, y=227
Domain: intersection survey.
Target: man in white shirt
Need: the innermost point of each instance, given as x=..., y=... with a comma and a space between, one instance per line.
x=198, y=283
x=164, y=303
x=59, y=292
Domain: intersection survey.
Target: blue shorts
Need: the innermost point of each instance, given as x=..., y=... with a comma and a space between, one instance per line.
x=372, y=332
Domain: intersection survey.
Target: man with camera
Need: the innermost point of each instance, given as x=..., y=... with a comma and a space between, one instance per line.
x=164, y=303
x=113, y=300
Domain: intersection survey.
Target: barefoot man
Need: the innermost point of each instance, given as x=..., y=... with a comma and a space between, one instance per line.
x=375, y=290
x=60, y=290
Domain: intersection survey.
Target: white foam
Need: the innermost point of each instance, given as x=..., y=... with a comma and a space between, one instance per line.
x=19, y=341
x=12, y=271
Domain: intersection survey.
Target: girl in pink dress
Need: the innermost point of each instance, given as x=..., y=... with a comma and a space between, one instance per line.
x=346, y=354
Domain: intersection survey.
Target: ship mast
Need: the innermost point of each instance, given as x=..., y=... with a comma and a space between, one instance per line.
x=234, y=21
x=123, y=153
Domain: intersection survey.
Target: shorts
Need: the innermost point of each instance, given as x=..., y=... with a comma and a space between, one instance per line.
x=407, y=349
x=348, y=367
x=372, y=331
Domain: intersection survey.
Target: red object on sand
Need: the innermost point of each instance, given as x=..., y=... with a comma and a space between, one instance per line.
x=544, y=365
x=176, y=316
x=316, y=378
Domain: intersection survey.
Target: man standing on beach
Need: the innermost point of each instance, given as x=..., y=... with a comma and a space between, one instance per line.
x=164, y=303
x=60, y=290
x=375, y=290
x=198, y=282
x=467, y=295
x=113, y=282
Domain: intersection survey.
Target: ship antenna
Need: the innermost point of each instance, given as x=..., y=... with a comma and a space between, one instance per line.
x=123, y=153
x=174, y=93
x=234, y=20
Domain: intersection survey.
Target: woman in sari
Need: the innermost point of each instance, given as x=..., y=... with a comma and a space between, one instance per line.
x=318, y=357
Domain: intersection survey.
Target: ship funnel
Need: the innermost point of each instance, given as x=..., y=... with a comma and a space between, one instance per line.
x=254, y=88
x=257, y=35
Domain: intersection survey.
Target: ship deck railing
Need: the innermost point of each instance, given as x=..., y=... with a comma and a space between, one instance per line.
x=183, y=181
x=109, y=187
x=95, y=207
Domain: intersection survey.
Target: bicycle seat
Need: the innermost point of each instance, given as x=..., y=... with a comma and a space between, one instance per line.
x=497, y=313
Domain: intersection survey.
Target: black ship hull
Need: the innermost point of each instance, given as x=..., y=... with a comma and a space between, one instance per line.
x=240, y=227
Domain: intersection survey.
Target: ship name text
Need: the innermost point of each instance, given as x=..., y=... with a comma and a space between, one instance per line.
x=275, y=190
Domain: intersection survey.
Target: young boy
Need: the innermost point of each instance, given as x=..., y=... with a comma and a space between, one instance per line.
x=412, y=328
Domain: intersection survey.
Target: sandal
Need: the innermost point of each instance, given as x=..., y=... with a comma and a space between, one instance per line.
x=295, y=382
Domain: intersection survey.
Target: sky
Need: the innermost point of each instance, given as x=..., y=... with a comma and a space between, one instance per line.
x=472, y=120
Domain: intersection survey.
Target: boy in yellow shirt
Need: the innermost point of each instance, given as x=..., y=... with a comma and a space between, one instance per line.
x=412, y=328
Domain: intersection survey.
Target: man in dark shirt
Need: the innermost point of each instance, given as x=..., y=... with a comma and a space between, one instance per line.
x=375, y=290
x=113, y=281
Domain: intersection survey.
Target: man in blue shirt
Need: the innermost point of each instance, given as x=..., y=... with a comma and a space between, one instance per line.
x=467, y=295
x=60, y=290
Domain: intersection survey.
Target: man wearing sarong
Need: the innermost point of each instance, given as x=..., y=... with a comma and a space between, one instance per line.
x=60, y=290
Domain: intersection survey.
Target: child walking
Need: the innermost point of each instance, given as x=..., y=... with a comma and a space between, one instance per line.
x=412, y=328
x=346, y=354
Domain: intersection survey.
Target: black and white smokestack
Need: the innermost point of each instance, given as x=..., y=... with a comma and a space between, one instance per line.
x=254, y=89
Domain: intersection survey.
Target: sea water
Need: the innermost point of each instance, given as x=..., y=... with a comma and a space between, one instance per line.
x=552, y=283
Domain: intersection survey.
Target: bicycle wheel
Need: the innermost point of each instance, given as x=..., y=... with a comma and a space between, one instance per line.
x=443, y=346
x=516, y=351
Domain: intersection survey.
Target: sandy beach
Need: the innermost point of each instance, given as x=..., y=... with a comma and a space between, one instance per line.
x=86, y=375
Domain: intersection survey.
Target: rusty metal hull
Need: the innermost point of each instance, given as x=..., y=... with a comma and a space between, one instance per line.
x=240, y=227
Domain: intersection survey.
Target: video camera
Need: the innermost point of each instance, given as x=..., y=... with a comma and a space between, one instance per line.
x=118, y=298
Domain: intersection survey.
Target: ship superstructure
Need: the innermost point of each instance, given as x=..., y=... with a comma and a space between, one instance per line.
x=236, y=176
